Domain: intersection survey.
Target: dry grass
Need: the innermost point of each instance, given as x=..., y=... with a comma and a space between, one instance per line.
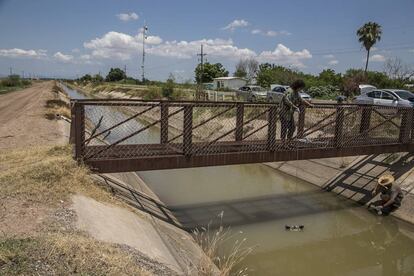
x=63, y=254
x=41, y=179
x=45, y=175
x=212, y=240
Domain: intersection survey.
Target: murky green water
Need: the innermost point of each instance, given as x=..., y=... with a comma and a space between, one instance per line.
x=339, y=238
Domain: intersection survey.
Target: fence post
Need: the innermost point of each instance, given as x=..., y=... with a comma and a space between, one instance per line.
x=79, y=131
x=164, y=123
x=301, y=121
x=239, y=121
x=365, y=119
x=339, y=123
x=271, y=128
x=406, y=125
x=188, y=130
x=72, y=123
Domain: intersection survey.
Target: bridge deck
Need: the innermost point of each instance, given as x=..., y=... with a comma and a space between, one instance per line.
x=143, y=135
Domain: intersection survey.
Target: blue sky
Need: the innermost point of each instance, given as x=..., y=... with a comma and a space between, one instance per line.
x=69, y=38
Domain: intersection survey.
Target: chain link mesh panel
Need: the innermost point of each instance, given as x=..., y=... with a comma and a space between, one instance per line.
x=116, y=129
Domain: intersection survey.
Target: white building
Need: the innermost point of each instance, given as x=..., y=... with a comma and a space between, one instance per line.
x=233, y=83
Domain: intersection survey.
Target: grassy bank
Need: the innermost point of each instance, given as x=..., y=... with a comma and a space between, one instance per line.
x=12, y=83
x=39, y=235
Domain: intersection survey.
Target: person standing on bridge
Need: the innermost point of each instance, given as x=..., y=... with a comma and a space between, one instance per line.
x=391, y=195
x=290, y=103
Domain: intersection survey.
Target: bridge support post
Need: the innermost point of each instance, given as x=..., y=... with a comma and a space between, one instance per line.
x=339, y=123
x=188, y=130
x=301, y=121
x=164, y=124
x=79, y=129
x=406, y=126
x=271, y=128
x=72, y=124
x=239, y=122
x=365, y=119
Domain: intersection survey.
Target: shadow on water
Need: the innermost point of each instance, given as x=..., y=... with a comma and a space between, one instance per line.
x=257, y=209
x=360, y=179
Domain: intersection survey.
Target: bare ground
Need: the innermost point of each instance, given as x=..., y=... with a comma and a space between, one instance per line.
x=22, y=118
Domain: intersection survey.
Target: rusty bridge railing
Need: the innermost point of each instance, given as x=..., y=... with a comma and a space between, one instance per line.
x=125, y=135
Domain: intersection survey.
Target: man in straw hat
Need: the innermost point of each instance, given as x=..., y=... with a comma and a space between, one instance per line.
x=391, y=195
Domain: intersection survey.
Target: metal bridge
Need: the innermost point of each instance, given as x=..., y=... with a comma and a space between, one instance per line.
x=135, y=135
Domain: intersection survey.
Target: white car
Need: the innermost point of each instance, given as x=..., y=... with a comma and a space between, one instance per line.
x=387, y=97
x=277, y=92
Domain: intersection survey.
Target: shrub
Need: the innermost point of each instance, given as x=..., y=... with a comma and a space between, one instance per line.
x=13, y=80
x=168, y=89
x=323, y=92
x=152, y=93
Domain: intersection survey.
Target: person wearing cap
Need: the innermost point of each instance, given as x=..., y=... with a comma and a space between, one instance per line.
x=290, y=103
x=391, y=195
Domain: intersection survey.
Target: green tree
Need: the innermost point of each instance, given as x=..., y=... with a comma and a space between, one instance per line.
x=115, y=74
x=329, y=77
x=97, y=78
x=368, y=35
x=210, y=71
x=86, y=78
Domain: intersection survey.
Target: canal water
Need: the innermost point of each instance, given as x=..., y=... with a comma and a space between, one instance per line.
x=339, y=237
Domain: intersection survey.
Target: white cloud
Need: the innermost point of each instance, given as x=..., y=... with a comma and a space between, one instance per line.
x=188, y=49
x=118, y=45
x=238, y=23
x=269, y=33
x=62, y=57
x=373, y=49
x=286, y=56
x=76, y=50
x=329, y=56
x=377, y=58
x=333, y=62
x=20, y=53
x=128, y=16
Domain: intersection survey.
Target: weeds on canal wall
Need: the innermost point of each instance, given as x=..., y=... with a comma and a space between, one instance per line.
x=213, y=240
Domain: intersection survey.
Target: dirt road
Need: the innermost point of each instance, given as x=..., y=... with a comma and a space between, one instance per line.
x=22, y=118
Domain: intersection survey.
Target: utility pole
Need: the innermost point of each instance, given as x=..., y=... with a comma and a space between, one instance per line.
x=11, y=71
x=144, y=37
x=125, y=73
x=201, y=55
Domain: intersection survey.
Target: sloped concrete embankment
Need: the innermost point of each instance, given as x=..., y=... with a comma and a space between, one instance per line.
x=355, y=177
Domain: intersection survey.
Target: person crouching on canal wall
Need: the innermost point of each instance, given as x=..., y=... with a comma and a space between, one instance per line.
x=391, y=196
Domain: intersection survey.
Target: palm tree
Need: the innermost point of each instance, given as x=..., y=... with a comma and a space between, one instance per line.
x=368, y=35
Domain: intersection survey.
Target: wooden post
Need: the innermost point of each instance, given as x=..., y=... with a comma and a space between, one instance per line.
x=271, y=128
x=164, y=123
x=239, y=121
x=301, y=121
x=79, y=131
x=365, y=118
x=406, y=125
x=339, y=123
x=72, y=124
x=188, y=130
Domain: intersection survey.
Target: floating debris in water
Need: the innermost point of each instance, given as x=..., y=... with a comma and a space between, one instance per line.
x=294, y=227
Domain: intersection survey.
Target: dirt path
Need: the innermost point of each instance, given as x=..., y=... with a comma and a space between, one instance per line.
x=22, y=118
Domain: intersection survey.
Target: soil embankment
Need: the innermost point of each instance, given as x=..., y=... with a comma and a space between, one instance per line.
x=55, y=219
